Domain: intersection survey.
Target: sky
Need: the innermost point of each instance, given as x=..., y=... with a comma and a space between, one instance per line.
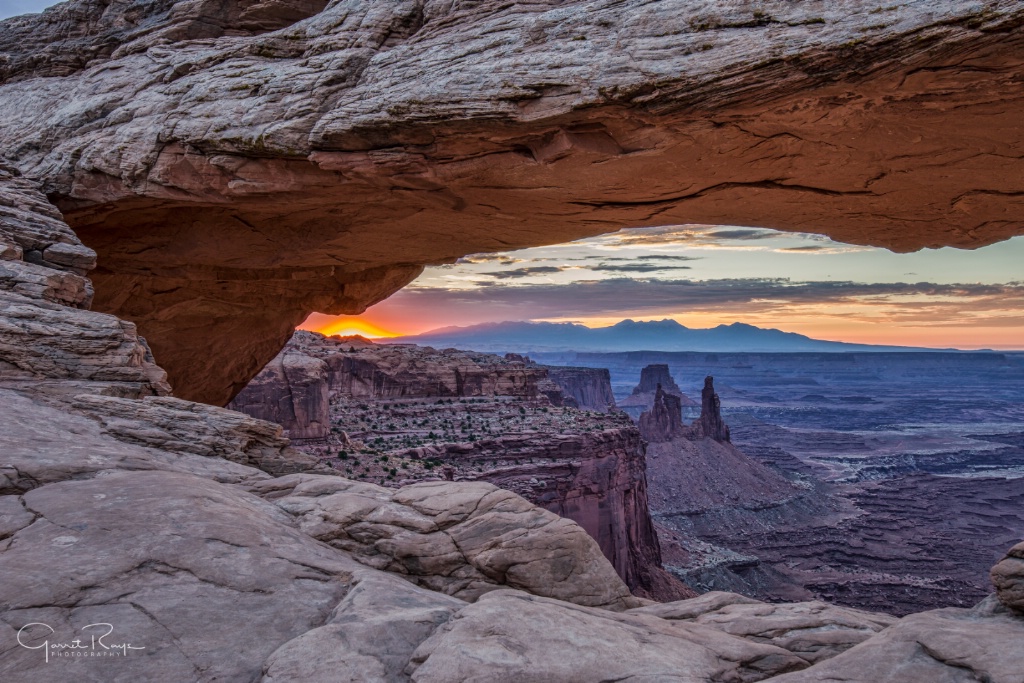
x=12, y=8
x=702, y=276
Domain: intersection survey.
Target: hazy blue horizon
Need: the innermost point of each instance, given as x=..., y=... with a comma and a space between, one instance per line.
x=14, y=8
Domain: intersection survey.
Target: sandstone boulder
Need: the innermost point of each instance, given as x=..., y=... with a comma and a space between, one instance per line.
x=509, y=635
x=813, y=631
x=949, y=645
x=1008, y=577
x=464, y=539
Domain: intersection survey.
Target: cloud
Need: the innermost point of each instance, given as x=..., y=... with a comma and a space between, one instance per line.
x=665, y=257
x=622, y=265
x=742, y=234
x=523, y=272
x=633, y=267
x=627, y=297
x=503, y=259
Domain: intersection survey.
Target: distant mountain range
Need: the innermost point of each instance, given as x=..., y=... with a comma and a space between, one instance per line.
x=629, y=335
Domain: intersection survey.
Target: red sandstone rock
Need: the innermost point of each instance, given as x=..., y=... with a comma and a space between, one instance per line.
x=643, y=396
x=590, y=388
x=664, y=420
x=710, y=424
x=237, y=165
x=527, y=436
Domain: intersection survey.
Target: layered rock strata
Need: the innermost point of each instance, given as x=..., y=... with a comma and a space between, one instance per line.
x=703, y=491
x=1008, y=577
x=307, y=137
x=401, y=413
x=644, y=394
x=590, y=388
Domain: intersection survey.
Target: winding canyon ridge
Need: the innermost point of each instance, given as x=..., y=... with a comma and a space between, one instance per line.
x=182, y=182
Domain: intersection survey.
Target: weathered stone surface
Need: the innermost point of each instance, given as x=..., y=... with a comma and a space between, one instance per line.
x=813, y=631
x=46, y=342
x=170, y=424
x=591, y=388
x=387, y=417
x=369, y=638
x=464, y=539
x=40, y=340
x=39, y=282
x=1008, y=577
x=29, y=223
x=941, y=646
x=176, y=563
x=168, y=130
x=45, y=444
x=509, y=635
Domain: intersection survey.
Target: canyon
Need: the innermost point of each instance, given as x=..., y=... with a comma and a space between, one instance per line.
x=398, y=414
x=894, y=479
x=183, y=181
x=756, y=519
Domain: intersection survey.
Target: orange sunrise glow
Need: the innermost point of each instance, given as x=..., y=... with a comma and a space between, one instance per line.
x=346, y=326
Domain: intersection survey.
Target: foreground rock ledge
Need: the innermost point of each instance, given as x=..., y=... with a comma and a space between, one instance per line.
x=237, y=165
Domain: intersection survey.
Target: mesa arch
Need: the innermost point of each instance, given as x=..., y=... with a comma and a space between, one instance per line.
x=237, y=165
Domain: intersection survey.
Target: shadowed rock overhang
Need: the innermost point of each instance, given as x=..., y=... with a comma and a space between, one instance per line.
x=237, y=165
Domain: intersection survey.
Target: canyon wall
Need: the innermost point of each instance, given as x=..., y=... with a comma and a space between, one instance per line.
x=591, y=388
x=526, y=437
x=237, y=165
x=706, y=495
x=480, y=417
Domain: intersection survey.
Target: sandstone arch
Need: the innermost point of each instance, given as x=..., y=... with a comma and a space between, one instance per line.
x=233, y=181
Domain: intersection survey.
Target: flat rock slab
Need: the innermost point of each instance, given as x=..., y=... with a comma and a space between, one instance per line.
x=208, y=579
x=813, y=631
x=950, y=645
x=509, y=635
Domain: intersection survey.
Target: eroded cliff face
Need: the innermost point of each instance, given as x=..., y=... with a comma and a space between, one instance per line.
x=664, y=420
x=704, y=491
x=237, y=165
x=644, y=397
x=402, y=413
x=590, y=388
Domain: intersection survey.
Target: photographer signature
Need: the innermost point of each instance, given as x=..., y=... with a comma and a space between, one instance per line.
x=94, y=645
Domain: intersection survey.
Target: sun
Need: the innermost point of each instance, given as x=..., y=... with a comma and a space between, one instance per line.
x=346, y=326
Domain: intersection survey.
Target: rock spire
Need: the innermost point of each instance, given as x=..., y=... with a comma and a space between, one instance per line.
x=710, y=424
